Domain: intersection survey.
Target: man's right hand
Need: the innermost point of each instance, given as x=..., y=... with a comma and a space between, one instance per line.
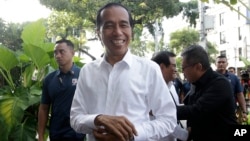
x=115, y=126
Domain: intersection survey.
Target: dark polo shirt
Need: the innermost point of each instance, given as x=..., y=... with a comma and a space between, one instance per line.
x=234, y=80
x=235, y=83
x=58, y=92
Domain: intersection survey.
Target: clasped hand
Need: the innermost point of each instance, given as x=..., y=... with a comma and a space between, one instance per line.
x=114, y=128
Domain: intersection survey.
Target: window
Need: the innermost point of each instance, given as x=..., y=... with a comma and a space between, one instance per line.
x=239, y=34
x=223, y=53
x=240, y=53
x=221, y=19
x=238, y=12
x=222, y=38
x=248, y=16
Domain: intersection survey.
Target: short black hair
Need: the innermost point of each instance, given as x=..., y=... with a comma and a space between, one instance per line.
x=196, y=54
x=163, y=57
x=99, y=19
x=68, y=42
x=231, y=68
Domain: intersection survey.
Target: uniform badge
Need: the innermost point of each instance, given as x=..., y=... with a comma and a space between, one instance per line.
x=74, y=81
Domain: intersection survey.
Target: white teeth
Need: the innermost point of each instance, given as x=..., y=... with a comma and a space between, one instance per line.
x=118, y=41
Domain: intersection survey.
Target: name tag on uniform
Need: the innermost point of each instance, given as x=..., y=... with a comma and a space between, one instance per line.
x=74, y=81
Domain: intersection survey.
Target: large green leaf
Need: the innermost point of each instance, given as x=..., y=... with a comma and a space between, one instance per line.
x=12, y=109
x=25, y=131
x=3, y=131
x=35, y=95
x=34, y=33
x=48, y=47
x=8, y=59
x=38, y=56
x=27, y=75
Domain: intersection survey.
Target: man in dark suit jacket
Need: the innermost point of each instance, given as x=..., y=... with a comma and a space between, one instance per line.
x=209, y=106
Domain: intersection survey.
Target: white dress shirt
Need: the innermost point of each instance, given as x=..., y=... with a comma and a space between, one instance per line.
x=130, y=88
x=179, y=132
x=172, y=89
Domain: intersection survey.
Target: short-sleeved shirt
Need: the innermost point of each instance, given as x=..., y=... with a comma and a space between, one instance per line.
x=235, y=83
x=58, y=92
x=234, y=80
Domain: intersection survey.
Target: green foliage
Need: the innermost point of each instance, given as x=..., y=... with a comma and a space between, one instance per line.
x=19, y=101
x=16, y=99
x=78, y=16
x=8, y=61
x=61, y=24
x=232, y=2
x=183, y=38
x=10, y=34
x=190, y=10
x=138, y=47
x=64, y=24
x=248, y=117
x=144, y=11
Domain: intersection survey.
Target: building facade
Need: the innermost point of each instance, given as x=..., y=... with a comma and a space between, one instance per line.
x=228, y=29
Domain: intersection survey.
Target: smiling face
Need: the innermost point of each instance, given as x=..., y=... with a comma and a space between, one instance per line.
x=115, y=31
x=169, y=72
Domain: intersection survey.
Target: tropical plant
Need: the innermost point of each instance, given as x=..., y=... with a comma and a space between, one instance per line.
x=19, y=99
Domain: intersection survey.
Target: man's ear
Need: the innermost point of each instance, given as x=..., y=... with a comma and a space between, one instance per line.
x=200, y=67
x=162, y=66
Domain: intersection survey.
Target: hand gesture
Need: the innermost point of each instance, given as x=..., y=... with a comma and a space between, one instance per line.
x=114, y=126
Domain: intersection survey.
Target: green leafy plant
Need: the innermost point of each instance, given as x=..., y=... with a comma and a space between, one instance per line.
x=19, y=99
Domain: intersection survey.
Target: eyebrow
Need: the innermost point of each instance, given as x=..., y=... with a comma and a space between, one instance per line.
x=111, y=22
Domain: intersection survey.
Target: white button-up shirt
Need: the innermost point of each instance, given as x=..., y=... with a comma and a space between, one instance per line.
x=172, y=89
x=130, y=88
x=179, y=132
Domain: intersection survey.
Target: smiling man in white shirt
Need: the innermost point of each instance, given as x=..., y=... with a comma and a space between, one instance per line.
x=115, y=93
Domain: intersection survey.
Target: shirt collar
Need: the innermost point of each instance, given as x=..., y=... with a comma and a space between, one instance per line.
x=72, y=71
x=170, y=83
x=203, y=79
x=126, y=59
